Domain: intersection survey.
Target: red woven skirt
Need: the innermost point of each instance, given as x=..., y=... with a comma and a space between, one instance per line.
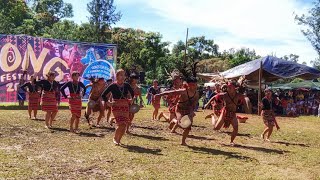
x=34, y=100
x=75, y=104
x=156, y=102
x=120, y=110
x=268, y=117
x=49, y=102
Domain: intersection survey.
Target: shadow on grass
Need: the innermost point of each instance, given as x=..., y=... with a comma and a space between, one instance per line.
x=142, y=127
x=205, y=150
x=155, y=138
x=106, y=128
x=143, y=150
x=199, y=126
x=261, y=149
x=59, y=129
x=292, y=144
x=86, y=134
x=239, y=134
x=200, y=138
x=38, y=119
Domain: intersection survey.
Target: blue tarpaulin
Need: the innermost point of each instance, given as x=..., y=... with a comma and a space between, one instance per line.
x=273, y=68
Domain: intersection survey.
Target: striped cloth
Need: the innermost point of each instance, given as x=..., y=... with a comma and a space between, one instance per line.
x=49, y=102
x=34, y=99
x=120, y=110
x=156, y=102
x=75, y=104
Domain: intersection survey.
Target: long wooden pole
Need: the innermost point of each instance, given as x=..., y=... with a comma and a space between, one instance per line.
x=260, y=89
x=185, y=49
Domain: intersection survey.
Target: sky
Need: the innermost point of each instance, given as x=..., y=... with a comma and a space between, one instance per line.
x=267, y=26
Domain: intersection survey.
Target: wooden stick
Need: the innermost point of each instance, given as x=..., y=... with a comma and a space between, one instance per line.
x=185, y=49
x=260, y=88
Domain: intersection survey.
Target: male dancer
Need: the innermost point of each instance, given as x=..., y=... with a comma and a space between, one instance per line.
x=187, y=101
x=228, y=116
x=97, y=89
x=172, y=99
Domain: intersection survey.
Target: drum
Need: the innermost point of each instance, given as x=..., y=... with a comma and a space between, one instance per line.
x=92, y=104
x=134, y=108
x=185, y=122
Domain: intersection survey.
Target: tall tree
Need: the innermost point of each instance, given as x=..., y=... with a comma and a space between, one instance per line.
x=49, y=12
x=291, y=57
x=103, y=15
x=13, y=14
x=312, y=23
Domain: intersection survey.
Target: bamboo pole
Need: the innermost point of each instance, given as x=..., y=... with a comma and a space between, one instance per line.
x=185, y=49
x=260, y=88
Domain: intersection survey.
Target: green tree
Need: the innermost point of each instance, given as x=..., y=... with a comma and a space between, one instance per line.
x=13, y=14
x=312, y=23
x=291, y=57
x=49, y=12
x=241, y=56
x=103, y=15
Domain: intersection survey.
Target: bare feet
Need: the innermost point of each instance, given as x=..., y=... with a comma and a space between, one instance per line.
x=208, y=116
x=262, y=136
x=160, y=116
x=47, y=127
x=77, y=131
x=232, y=144
x=184, y=144
x=268, y=140
x=115, y=142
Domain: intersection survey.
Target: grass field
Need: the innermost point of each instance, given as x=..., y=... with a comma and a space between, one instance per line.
x=28, y=151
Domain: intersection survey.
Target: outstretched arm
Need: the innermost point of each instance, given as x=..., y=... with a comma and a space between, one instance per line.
x=173, y=92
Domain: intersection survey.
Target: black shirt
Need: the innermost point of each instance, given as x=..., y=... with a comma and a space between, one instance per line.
x=73, y=88
x=266, y=104
x=31, y=88
x=47, y=86
x=118, y=92
x=154, y=91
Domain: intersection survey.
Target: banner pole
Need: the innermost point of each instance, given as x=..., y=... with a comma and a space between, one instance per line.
x=185, y=49
x=260, y=89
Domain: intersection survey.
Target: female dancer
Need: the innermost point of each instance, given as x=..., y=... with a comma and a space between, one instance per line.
x=75, y=102
x=172, y=99
x=21, y=94
x=34, y=96
x=121, y=101
x=268, y=116
x=188, y=99
x=49, y=101
x=154, y=90
x=137, y=94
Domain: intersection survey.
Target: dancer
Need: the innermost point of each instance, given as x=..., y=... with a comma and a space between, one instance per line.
x=268, y=115
x=228, y=113
x=49, y=101
x=137, y=94
x=75, y=103
x=97, y=89
x=172, y=99
x=108, y=108
x=34, y=96
x=188, y=99
x=122, y=95
x=154, y=90
x=21, y=94
x=217, y=104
